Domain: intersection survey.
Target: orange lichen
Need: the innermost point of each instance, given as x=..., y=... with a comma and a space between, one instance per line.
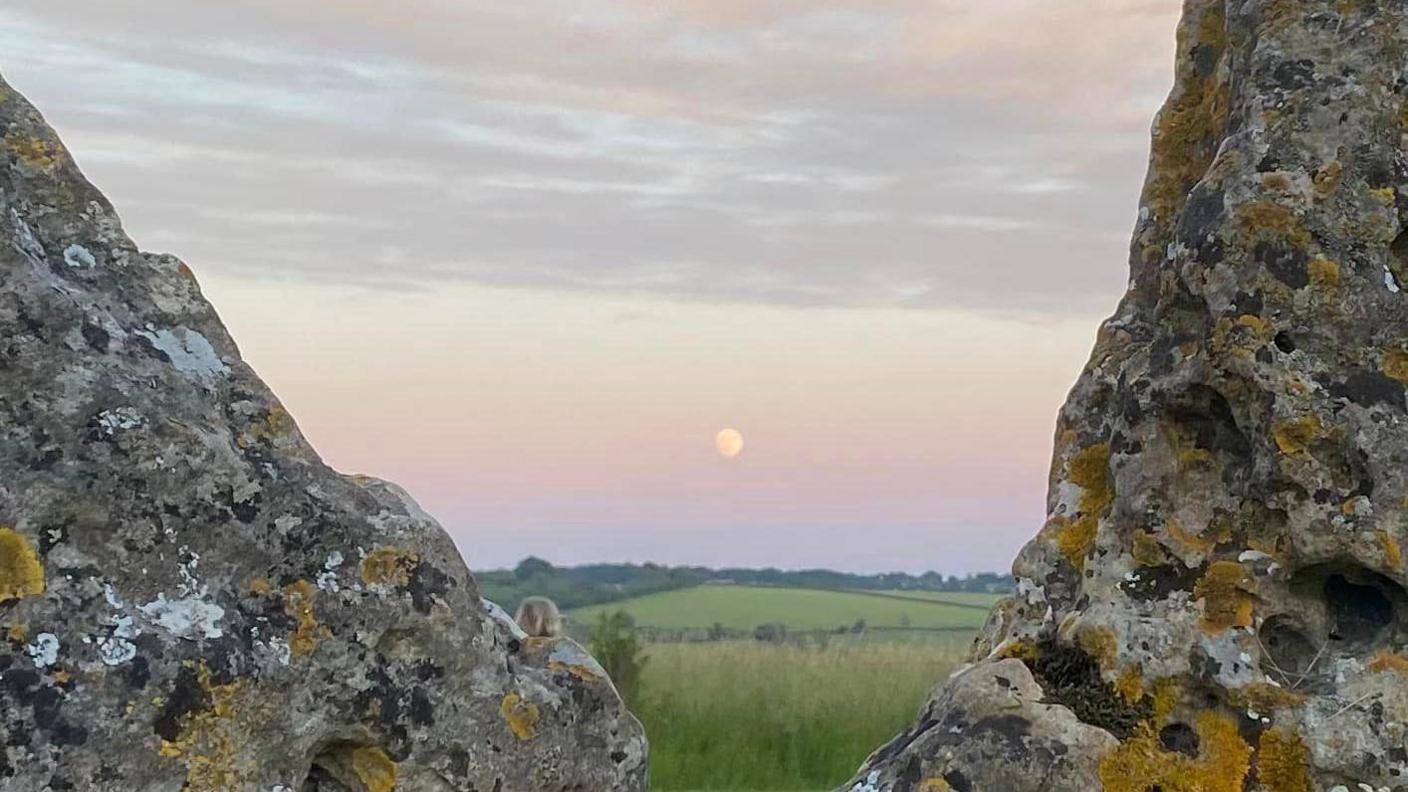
x=1130, y=684
x=17, y=632
x=374, y=769
x=1282, y=761
x=1191, y=125
x=1227, y=603
x=209, y=740
x=1141, y=762
x=1324, y=274
x=21, y=573
x=1148, y=550
x=1266, y=218
x=34, y=152
x=1089, y=469
x=1328, y=178
x=1264, y=697
x=307, y=633
x=1294, y=437
x=389, y=566
x=521, y=716
x=1393, y=551
x=1187, y=540
x=1387, y=660
x=276, y=423
x=1395, y=364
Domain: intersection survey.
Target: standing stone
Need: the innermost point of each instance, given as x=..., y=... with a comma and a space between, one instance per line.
x=1217, y=600
x=189, y=598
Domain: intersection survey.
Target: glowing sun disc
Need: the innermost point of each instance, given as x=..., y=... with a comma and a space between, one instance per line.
x=729, y=442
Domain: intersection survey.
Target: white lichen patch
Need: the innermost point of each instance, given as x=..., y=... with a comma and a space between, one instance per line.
x=870, y=784
x=190, y=352
x=110, y=422
x=327, y=579
x=190, y=618
x=25, y=240
x=79, y=257
x=118, y=648
x=44, y=652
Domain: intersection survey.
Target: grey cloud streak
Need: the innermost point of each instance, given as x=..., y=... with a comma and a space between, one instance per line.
x=800, y=152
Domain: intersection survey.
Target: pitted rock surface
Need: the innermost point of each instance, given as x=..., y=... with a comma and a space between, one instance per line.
x=1217, y=600
x=189, y=598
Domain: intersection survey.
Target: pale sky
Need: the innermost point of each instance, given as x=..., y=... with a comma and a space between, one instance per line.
x=527, y=258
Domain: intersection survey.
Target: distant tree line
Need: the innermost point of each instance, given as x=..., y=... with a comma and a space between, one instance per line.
x=594, y=584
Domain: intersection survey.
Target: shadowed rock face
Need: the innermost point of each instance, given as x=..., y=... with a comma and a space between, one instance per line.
x=1217, y=600
x=189, y=598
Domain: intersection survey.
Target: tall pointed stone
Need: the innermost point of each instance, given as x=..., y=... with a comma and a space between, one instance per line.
x=189, y=598
x=1217, y=600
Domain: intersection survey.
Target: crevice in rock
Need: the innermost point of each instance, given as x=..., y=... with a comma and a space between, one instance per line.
x=1071, y=678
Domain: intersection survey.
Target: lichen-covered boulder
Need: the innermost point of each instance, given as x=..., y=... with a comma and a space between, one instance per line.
x=189, y=598
x=1217, y=601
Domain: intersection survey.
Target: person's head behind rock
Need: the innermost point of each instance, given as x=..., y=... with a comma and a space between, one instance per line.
x=539, y=617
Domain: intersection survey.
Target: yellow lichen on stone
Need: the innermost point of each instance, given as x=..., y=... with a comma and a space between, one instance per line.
x=21, y=573
x=1328, y=178
x=17, y=632
x=1130, y=684
x=1393, y=551
x=521, y=716
x=1294, y=437
x=1281, y=762
x=580, y=671
x=1226, y=601
x=389, y=566
x=1142, y=763
x=1148, y=550
x=1324, y=274
x=1385, y=195
x=307, y=633
x=1189, y=128
x=374, y=769
x=276, y=423
x=934, y=785
x=32, y=151
x=1388, y=660
x=260, y=587
x=1266, y=218
x=1089, y=469
x=1395, y=364
x=209, y=743
x=1264, y=697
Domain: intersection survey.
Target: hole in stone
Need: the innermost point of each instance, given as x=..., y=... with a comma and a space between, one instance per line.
x=1348, y=609
x=1179, y=738
x=1288, y=657
x=1285, y=343
x=1359, y=613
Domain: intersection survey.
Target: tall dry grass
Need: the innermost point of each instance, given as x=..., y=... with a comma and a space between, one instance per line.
x=760, y=716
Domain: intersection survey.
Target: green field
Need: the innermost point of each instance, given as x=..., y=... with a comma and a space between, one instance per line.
x=746, y=607
x=762, y=716
x=984, y=601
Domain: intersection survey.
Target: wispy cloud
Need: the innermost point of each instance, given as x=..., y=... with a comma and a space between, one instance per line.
x=833, y=152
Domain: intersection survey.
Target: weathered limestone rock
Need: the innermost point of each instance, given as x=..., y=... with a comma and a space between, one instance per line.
x=1217, y=601
x=189, y=598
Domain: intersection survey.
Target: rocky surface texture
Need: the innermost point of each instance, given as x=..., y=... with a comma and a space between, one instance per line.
x=1217, y=600
x=189, y=598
